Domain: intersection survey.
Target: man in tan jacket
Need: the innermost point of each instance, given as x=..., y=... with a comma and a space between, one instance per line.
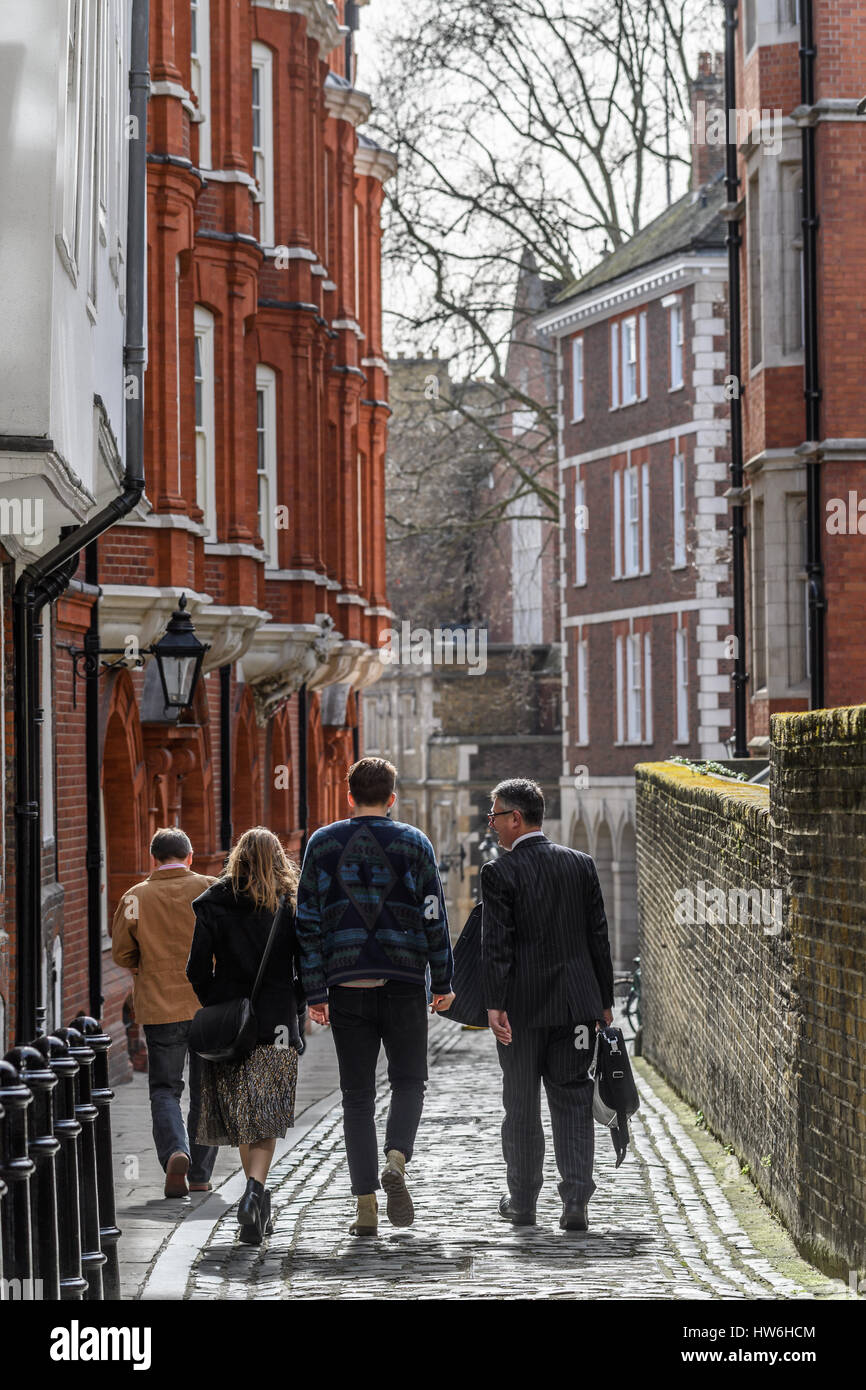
x=151, y=935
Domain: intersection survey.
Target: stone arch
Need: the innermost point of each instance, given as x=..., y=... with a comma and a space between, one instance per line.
x=603, y=857
x=626, y=898
x=579, y=838
x=246, y=768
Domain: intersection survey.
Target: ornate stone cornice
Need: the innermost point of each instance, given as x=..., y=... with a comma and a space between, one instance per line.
x=281, y=657
x=346, y=103
x=371, y=161
x=229, y=630
x=323, y=23
x=142, y=611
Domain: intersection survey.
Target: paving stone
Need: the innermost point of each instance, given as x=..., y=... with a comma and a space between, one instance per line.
x=661, y=1227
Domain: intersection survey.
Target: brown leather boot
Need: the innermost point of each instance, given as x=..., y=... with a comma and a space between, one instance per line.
x=400, y=1209
x=366, y=1221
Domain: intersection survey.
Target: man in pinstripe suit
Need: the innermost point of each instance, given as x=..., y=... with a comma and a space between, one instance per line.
x=548, y=979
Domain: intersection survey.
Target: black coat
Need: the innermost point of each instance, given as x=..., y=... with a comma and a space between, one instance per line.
x=544, y=943
x=227, y=947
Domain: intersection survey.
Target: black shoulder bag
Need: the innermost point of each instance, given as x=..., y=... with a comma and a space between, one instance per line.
x=468, y=986
x=227, y=1032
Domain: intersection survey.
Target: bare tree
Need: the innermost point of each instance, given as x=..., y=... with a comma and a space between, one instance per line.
x=522, y=127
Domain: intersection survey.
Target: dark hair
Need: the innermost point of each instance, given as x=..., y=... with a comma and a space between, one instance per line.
x=170, y=843
x=521, y=794
x=371, y=781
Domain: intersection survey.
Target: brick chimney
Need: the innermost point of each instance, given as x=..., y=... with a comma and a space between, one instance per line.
x=707, y=93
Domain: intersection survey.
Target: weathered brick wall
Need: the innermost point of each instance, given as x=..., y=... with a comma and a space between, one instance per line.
x=718, y=1017
x=761, y=1024
x=818, y=794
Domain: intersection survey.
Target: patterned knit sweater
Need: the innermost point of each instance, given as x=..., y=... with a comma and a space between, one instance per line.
x=370, y=906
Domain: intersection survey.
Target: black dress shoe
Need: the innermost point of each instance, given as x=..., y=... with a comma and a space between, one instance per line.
x=509, y=1212
x=250, y=1213
x=574, y=1218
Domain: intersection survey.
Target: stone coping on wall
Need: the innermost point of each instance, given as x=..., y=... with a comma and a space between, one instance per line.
x=845, y=724
x=724, y=795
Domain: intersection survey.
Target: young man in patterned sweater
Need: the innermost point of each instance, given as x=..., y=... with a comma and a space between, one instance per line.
x=370, y=921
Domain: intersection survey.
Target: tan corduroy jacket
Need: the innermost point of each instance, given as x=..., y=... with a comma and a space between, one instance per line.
x=152, y=933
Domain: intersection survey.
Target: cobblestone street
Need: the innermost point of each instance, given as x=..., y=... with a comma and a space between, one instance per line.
x=677, y=1221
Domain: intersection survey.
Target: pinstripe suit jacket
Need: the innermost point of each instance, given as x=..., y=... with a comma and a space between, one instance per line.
x=544, y=946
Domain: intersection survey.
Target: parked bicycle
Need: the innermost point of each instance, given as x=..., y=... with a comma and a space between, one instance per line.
x=628, y=982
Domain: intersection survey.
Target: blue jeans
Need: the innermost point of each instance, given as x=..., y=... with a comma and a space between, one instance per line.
x=167, y=1047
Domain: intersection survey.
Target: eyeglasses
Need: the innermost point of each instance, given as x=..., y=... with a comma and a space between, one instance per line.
x=491, y=815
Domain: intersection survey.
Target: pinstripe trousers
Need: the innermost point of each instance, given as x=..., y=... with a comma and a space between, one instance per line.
x=548, y=1055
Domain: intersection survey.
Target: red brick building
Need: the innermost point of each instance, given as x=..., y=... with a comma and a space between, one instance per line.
x=802, y=300
x=265, y=426
x=645, y=589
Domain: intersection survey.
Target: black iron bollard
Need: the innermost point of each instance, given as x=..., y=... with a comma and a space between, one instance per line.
x=43, y=1148
x=68, y=1131
x=16, y=1168
x=103, y=1095
x=92, y=1258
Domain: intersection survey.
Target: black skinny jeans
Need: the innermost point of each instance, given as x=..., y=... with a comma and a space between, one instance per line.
x=361, y=1019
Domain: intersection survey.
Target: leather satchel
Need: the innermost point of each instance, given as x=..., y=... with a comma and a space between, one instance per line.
x=468, y=1005
x=227, y=1032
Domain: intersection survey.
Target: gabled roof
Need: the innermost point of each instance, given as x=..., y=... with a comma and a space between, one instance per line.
x=693, y=223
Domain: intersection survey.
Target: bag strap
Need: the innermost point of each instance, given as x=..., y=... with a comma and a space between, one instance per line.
x=267, y=951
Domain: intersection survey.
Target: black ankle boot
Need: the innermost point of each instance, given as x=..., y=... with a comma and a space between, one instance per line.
x=267, y=1223
x=250, y=1213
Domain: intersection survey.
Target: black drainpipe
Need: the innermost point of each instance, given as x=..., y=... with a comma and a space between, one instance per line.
x=93, y=788
x=225, y=758
x=46, y=578
x=736, y=492
x=811, y=385
x=303, y=807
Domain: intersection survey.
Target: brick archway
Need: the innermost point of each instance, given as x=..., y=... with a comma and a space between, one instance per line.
x=279, y=782
x=246, y=769
x=196, y=793
x=125, y=801
x=124, y=788
x=316, y=768
x=339, y=750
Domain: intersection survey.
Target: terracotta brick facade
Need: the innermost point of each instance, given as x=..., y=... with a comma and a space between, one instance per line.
x=265, y=429
x=775, y=444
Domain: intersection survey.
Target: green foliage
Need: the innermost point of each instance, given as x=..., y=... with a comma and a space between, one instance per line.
x=709, y=768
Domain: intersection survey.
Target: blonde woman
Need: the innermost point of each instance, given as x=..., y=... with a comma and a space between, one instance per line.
x=250, y=1104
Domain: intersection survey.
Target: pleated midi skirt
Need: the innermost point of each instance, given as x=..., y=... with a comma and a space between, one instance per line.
x=244, y=1102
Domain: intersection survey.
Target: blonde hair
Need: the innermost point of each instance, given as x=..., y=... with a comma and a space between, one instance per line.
x=259, y=867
